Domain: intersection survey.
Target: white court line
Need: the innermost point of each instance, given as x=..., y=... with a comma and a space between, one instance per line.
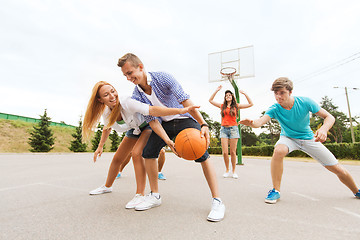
x=57, y=186
x=348, y=212
x=40, y=183
x=20, y=186
x=305, y=196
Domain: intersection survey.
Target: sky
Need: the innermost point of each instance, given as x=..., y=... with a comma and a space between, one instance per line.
x=53, y=52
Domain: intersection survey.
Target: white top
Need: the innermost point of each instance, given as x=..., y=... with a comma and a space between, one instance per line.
x=132, y=112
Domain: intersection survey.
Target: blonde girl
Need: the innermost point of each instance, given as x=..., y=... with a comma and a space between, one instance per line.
x=123, y=114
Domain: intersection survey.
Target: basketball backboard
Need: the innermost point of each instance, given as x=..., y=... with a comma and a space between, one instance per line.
x=242, y=59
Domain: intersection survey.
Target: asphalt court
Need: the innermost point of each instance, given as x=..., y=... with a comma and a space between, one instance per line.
x=45, y=196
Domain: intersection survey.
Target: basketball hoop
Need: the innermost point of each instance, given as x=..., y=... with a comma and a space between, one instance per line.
x=228, y=73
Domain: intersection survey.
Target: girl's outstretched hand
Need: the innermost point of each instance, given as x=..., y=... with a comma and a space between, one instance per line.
x=97, y=153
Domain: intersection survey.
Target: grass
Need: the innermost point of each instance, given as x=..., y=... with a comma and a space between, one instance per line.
x=14, y=136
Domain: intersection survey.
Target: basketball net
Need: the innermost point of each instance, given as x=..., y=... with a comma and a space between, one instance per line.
x=228, y=73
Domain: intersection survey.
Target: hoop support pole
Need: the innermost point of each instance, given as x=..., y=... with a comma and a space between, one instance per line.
x=239, y=144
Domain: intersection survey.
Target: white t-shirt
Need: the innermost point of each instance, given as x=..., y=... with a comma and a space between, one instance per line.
x=156, y=102
x=132, y=112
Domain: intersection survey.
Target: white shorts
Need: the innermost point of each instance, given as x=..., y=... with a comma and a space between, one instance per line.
x=314, y=149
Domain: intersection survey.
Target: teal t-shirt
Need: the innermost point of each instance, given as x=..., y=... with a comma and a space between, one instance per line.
x=295, y=123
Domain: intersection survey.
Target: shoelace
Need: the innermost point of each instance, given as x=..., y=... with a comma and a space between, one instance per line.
x=150, y=195
x=216, y=203
x=138, y=196
x=271, y=192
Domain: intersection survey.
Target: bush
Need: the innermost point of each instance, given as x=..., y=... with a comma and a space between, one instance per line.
x=215, y=150
x=345, y=150
x=340, y=151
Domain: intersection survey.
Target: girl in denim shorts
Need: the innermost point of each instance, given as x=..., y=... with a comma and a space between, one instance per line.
x=229, y=132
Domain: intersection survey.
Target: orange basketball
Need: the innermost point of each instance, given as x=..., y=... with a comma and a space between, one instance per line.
x=189, y=144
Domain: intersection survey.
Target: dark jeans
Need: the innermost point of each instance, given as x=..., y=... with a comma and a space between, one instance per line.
x=172, y=128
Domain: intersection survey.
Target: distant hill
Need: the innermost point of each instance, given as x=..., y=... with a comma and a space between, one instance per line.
x=14, y=136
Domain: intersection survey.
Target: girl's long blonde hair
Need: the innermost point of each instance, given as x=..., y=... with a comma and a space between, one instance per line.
x=95, y=109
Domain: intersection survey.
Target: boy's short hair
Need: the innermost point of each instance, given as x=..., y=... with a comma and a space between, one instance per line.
x=282, y=82
x=129, y=57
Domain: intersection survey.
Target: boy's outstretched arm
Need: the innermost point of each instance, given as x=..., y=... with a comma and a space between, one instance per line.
x=158, y=111
x=255, y=123
x=321, y=134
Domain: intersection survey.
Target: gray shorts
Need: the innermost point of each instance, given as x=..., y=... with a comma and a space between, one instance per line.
x=314, y=149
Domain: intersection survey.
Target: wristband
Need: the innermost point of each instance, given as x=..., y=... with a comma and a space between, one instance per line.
x=204, y=125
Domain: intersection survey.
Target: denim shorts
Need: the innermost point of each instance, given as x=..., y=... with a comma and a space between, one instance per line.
x=229, y=132
x=172, y=128
x=314, y=149
x=130, y=133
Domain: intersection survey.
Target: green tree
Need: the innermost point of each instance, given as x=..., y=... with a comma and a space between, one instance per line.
x=122, y=136
x=214, y=128
x=41, y=138
x=341, y=121
x=264, y=139
x=248, y=137
x=357, y=133
x=207, y=119
x=77, y=145
x=347, y=135
x=97, y=137
x=115, y=141
x=274, y=129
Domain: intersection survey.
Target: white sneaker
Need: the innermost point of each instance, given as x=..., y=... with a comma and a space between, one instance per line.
x=235, y=176
x=135, y=201
x=217, y=211
x=149, y=201
x=227, y=174
x=101, y=190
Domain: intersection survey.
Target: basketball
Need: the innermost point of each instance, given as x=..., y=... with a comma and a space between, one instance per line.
x=189, y=144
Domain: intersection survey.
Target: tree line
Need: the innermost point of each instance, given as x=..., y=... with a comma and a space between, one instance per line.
x=41, y=138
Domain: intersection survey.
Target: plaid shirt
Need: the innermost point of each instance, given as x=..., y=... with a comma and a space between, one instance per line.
x=167, y=90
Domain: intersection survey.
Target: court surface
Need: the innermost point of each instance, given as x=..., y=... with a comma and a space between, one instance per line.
x=45, y=196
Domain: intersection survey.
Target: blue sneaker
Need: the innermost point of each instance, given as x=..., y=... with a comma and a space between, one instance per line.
x=119, y=175
x=161, y=176
x=357, y=195
x=273, y=196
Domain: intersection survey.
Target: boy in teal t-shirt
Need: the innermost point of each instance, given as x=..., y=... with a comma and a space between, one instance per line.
x=295, y=123
x=293, y=114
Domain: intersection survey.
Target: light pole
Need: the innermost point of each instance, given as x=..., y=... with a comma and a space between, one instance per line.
x=348, y=104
